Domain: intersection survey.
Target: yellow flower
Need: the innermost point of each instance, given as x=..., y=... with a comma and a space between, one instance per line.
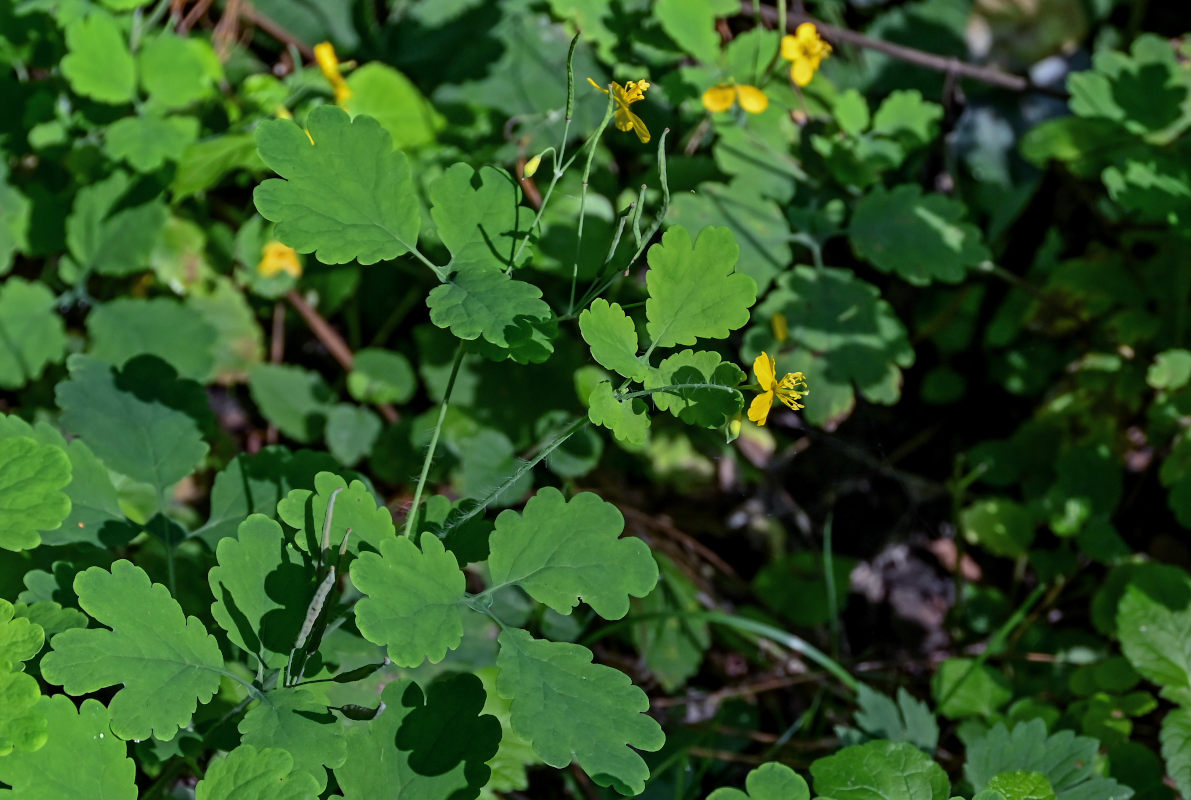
x=724, y=96
x=328, y=62
x=806, y=50
x=278, y=258
x=625, y=96
x=789, y=389
x=781, y=328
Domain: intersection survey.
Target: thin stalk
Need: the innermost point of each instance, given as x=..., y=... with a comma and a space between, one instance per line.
x=559, y=155
x=591, y=150
x=829, y=579
x=442, y=414
x=525, y=467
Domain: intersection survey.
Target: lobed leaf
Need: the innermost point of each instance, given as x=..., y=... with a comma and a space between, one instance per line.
x=694, y=291
x=31, y=498
x=297, y=720
x=572, y=710
x=561, y=552
x=31, y=332
x=345, y=196
x=612, y=337
x=772, y=781
x=80, y=757
x=880, y=770
x=262, y=588
x=166, y=662
x=248, y=773
x=412, y=599
x=625, y=418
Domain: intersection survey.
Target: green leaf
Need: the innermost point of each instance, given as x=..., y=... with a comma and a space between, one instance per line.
x=832, y=312
x=15, y=211
x=1022, y=785
x=23, y=723
x=31, y=498
x=671, y=643
x=561, y=552
x=759, y=225
x=691, y=24
x=1154, y=625
x=99, y=64
x=381, y=376
x=921, y=239
x=110, y=241
x=328, y=204
x=514, y=753
x=203, y=164
x=612, y=337
x=907, y=720
x=1176, y=748
x=1145, y=90
x=142, y=421
x=128, y=327
x=355, y=510
x=298, y=721
x=961, y=687
x=247, y=772
x=694, y=291
x=447, y=729
x=412, y=603
x=147, y=143
x=572, y=710
x=255, y=484
x=351, y=432
x=31, y=332
x=1066, y=760
x=625, y=418
x=999, y=525
x=880, y=770
x=294, y=399
x=772, y=781
x=478, y=216
x=175, y=71
x=906, y=117
x=262, y=589
x=851, y=112
x=20, y=638
x=381, y=92
x=80, y=758
x=401, y=746
x=1171, y=370
x=702, y=404
x=485, y=300
x=167, y=663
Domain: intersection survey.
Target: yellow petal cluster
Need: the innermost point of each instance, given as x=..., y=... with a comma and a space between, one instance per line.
x=790, y=389
x=625, y=96
x=726, y=95
x=805, y=49
x=328, y=62
x=277, y=258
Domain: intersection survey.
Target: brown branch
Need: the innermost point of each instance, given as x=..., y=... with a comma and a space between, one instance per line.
x=334, y=343
x=278, y=32
x=921, y=58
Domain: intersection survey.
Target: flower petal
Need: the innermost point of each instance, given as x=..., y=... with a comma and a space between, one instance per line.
x=719, y=98
x=803, y=71
x=759, y=408
x=752, y=99
x=638, y=127
x=791, y=49
x=766, y=371
x=807, y=33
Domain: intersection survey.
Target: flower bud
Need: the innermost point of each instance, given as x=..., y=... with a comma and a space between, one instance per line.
x=532, y=165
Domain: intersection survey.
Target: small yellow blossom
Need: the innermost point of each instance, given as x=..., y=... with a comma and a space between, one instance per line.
x=789, y=389
x=806, y=50
x=531, y=166
x=625, y=96
x=278, y=258
x=724, y=96
x=328, y=62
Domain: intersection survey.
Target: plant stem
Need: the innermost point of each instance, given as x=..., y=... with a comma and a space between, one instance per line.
x=442, y=413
